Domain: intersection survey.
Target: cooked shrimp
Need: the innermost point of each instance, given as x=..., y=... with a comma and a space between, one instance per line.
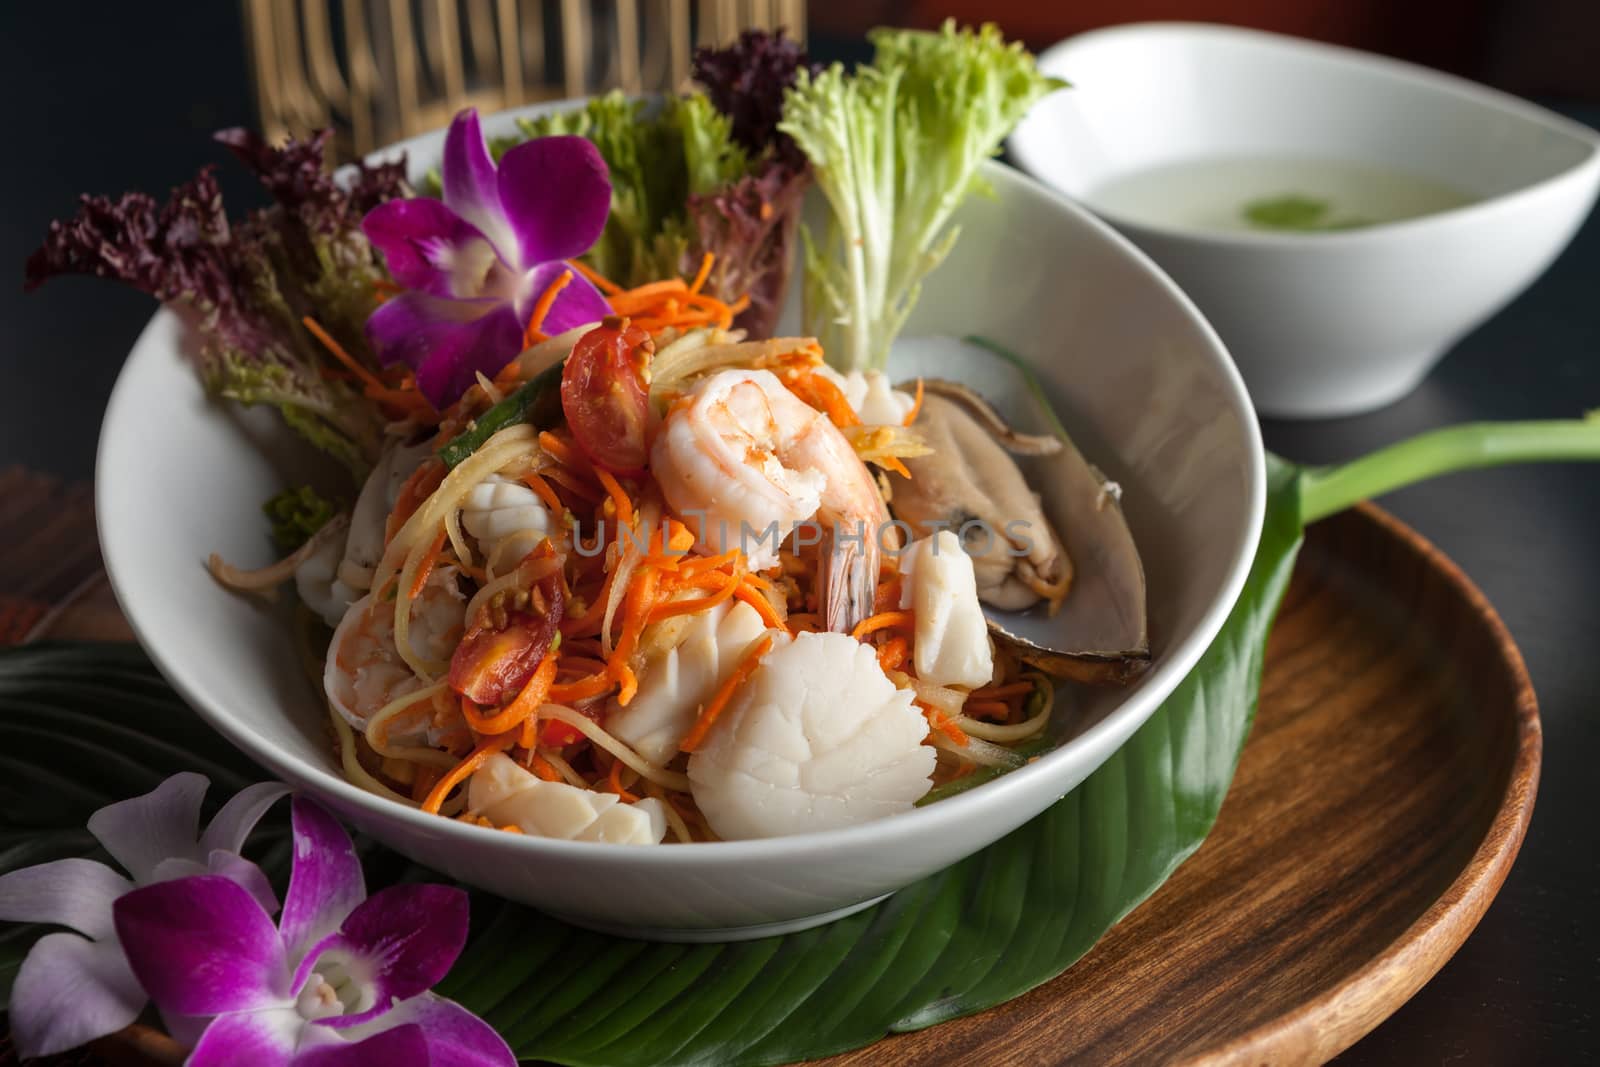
x=507, y=795
x=818, y=738
x=365, y=673
x=317, y=582
x=743, y=461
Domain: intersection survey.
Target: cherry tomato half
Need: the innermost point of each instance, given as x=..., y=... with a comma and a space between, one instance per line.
x=605, y=400
x=492, y=665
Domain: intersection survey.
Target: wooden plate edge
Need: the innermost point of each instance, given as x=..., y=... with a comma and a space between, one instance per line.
x=1326, y=1025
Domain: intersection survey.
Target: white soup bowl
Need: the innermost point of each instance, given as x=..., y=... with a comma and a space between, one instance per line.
x=1325, y=323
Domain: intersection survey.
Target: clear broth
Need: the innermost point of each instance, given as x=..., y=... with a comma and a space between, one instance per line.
x=1273, y=195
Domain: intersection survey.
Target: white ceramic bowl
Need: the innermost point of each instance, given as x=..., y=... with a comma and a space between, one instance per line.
x=1139, y=376
x=1319, y=323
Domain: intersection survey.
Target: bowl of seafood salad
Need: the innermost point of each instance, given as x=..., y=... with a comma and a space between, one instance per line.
x=628, y=572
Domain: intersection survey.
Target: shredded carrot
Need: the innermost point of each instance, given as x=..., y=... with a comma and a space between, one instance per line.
x=892, y=653
x=426, y=568
x=545, y=493
x=893, y=463
x=614, y=780
x=702, y=274
x=887, y=597
x=627, y=683
x=543, y=768
x=564, y=452
x=406, y=398
x=939, y=721
x=642, y=297
x=733, y=310
x=600, y=281
x=519, y=710
x=882, y=620
x=697, y=604
x=673, y=582
x=708, y=717
x=708, y=563
x=489, y=746
x=589, y=622
x=820, y=392
x=636, y=607
x=541, y=308
x=679, y=539
x=582, y=689
x=916, y=406
x=624, y=506
x=413, y=491
x=758, y=600
x=336, y=350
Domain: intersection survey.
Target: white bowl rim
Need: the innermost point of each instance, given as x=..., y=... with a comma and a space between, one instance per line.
x=1139, y=706
x=1415, y=73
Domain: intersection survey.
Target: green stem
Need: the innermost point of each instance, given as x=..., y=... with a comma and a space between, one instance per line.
x=1029, y=379
x=1326, y=491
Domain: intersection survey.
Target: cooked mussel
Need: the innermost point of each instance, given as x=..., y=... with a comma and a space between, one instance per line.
x=1058, y=572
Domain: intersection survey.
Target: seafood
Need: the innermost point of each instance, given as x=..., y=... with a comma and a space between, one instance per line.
x=744, y=462
x=870, y=395
x=507, y=519
x=676, y=681
x=951, y=645
x=316, y=576
x=507, y=795
x=969, y=484
x=817, y=739
x=340, y=570
x=365, y=672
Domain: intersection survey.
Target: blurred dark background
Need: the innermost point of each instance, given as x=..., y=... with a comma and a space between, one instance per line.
x=124, y=96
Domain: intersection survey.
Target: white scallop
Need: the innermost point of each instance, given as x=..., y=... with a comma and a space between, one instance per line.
x=818, y=738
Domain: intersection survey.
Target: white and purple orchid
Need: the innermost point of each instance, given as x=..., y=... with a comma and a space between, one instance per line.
x=475, y=263
x=343, y=979
x=72, y=989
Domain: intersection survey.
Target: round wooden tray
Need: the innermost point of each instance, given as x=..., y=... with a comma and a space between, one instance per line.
x=1380, y=801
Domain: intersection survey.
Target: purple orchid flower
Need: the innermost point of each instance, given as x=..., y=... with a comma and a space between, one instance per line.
x=477, y=261
x=342, y=980
x=71, y=989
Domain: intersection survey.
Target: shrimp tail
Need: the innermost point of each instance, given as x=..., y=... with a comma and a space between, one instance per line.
x=849, y=578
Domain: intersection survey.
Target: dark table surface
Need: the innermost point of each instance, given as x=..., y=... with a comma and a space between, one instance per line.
x=121, y=108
